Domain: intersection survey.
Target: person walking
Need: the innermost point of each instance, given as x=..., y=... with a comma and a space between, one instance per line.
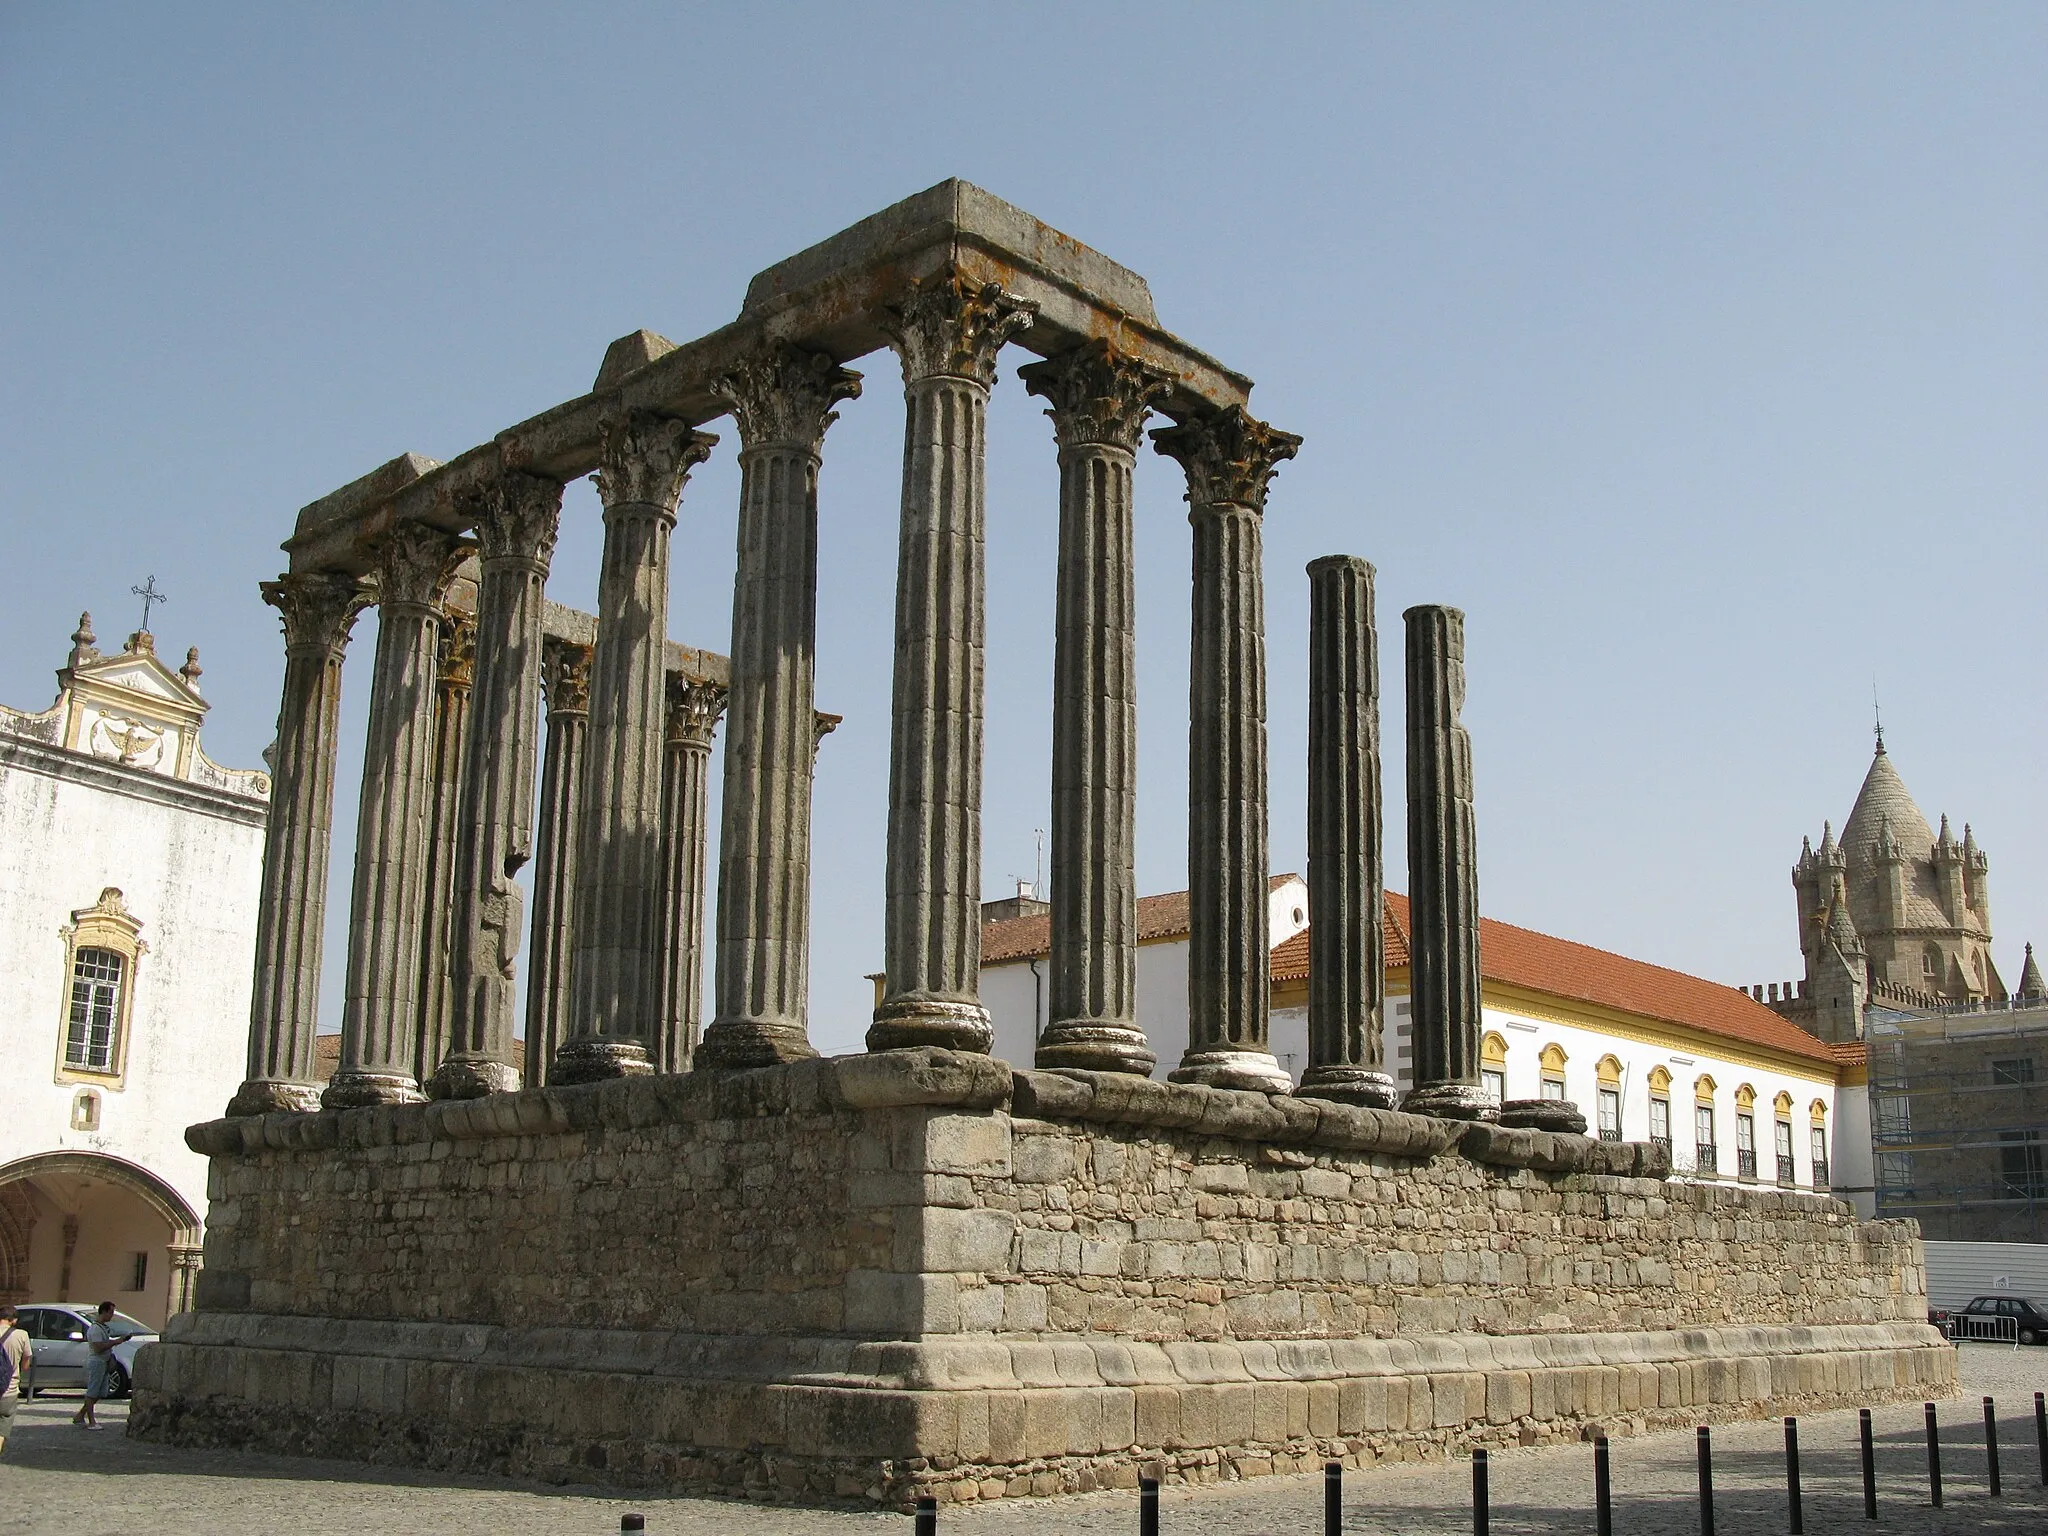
x=100, y=1340
x=15, y=1353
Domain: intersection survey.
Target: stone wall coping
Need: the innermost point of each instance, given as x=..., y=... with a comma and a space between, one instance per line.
x=988, y=1362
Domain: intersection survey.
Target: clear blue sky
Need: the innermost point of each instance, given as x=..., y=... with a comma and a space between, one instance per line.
x=1699, y=352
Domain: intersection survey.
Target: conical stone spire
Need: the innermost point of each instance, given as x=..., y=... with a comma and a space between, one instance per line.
x=2031, y=989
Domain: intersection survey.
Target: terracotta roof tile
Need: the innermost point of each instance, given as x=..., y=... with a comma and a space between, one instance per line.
x=1025, y=938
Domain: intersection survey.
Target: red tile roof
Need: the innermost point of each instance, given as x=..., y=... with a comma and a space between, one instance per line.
x=1027, y=938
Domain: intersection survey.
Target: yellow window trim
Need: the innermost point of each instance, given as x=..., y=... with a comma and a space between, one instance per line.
x=106, y=924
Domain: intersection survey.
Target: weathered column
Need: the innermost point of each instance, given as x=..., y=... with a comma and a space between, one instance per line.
x=388, y=914
x=1347, y=977
x=693, y=711
x=516, y=518
x=565, y=684
x=187, y=1259
x=1099, y=402
x=947, y=335
x=451, y=745
x=1443, y=874
x=284, y=1005
x=615, y=981
x=1230, y=459
x=783, y=399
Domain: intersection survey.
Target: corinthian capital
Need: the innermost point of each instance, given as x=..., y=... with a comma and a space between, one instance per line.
x=1098, y=396
x=644, y=459
x=565, y=676
x=458, y=650
x=949, y=327
x=516, y=516
x=693, y=711
x=415, y=564
x=1230, y=457
x=319, y=608
x=784, y=396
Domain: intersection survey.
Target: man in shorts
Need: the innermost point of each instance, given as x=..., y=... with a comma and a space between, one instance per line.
x=14, y=1358
x=100, y=1340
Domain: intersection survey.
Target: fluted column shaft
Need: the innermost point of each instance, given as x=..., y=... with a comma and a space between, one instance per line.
x=388, y=916
x=616, y=978
x=565, y=683
x=1443, y=874
x=1346, y=850
x=284, y=1006
x=947, y=335
x=516, y=518
x=693, y=712
x=1230, y=459
x=451, y=742
x=782, y=399
x=1099, y=403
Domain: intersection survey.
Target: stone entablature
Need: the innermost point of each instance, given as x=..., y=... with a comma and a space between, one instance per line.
x=995, y=1282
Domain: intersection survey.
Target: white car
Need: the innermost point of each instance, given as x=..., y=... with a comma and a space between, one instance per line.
x=56, y=1335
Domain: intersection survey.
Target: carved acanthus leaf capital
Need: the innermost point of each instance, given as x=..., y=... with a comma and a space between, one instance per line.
x=565, y=676
x=415, y=564
x=319, y=608
x=1098, y=396
x=458, y=650
x=949, y=327
x=645, y=459
x=693, y=711
x=516, y=516
x=784, y=396
x=1230, y=457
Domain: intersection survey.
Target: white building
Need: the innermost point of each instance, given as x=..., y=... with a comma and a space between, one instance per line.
x=1647, y=1053
x=129, y=867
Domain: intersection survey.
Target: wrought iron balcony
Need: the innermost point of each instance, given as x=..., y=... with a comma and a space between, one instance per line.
x=1707, y=1158
x=1786, y=1175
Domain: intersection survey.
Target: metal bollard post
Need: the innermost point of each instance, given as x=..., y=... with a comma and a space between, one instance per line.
x=1869, y=1464
x=928, y=1516
x=2041, y=1432
x=632, y=1522
x=1933, y=1458
x=1798, y=1513
x=1706, y=1438
x=1333, y=1498
x=1991, y=1445
x=1482, y=1518
x=1148, y=1506
x=1603, y=1491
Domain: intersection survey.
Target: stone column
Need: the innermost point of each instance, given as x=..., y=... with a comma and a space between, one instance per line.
x=616, y=979
x=187, y=1259
x=1347, y=977
x=451, y=744
x=565, y=683
x=284, y=1005
x=783, y=399
x=516, y=517
x=1443, y=875
x=1099, y=402
x=1230, y=459
x=947, y=335
x=693, y=712
x=388, y=914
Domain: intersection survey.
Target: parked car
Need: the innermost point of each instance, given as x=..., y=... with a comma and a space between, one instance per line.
x=57, y=1349
x=1983, y=1319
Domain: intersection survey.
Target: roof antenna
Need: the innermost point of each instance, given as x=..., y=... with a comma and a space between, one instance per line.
x=1877, y=715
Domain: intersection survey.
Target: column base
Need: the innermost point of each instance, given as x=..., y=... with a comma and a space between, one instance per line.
x=1222, y=1067
x=359, y=1090
x=732, y=1044
x=596, y=1059
x=1348, y=1085
x=1451, y=1101
x=270, y=1095
x=1543, y=1115
x=470, y=1076
x=954, y=1024
x=1095, y=1045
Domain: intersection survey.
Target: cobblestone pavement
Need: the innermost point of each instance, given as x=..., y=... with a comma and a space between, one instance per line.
x=54, y=1478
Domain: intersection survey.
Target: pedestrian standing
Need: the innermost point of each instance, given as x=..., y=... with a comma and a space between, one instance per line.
x=14, y=1361
x=100, y=1340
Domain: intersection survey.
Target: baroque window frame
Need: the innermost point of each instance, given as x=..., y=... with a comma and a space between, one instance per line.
x=106, y=924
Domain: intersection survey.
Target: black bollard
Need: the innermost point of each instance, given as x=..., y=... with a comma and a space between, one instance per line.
x=2041, y=1432
x=632, y=1522
x=1991, y=1445
x=1603, y=1490
x=1333, y=1498
x=1869, y=1464
x=927, y=1517
x=1706, y=1437
x=1933, y=1458
x=1148, y=1506
x=1481, y=1518
x=1797, y=1512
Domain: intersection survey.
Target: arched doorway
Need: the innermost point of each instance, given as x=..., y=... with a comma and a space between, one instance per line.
x=84, y=1227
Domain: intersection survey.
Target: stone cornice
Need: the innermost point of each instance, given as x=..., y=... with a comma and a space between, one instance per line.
x=134, y=783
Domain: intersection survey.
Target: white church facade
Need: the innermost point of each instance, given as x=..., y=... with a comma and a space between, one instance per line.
x=129, y=868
